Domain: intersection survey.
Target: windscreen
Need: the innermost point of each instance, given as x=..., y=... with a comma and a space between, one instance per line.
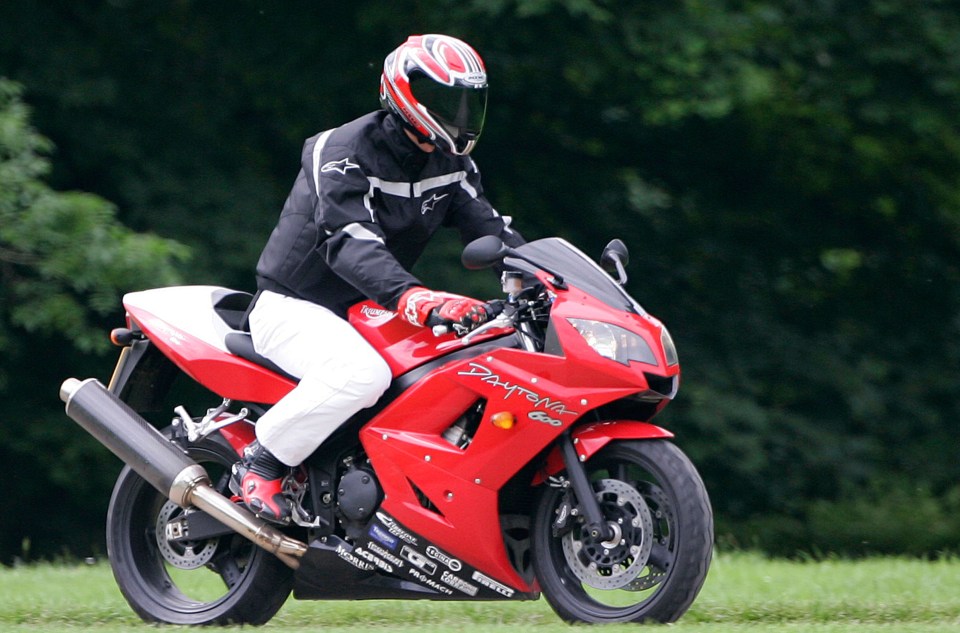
x=576, y=269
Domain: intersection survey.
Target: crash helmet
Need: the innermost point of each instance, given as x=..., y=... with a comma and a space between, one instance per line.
x=437, y=85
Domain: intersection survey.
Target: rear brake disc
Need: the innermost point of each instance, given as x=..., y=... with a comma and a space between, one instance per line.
x=183, y=554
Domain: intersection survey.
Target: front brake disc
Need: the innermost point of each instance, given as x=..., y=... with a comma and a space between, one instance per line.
x=619, y=561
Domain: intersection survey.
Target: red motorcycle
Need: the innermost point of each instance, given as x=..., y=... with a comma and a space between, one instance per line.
x=512, y=461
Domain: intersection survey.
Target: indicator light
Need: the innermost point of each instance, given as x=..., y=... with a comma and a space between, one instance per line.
x=121, y=336
x=503, y=420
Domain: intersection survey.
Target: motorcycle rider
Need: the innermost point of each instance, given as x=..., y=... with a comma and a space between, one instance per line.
x=368, y=197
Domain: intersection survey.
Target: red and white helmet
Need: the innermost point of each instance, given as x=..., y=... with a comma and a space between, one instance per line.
x=437, y=85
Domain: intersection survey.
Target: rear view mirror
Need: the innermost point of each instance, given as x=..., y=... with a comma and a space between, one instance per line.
x=484, y=252
x=615, y=258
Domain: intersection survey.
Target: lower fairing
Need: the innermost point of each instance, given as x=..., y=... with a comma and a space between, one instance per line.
x=391, y=562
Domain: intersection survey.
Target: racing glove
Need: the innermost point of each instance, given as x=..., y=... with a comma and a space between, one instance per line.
x=427, y=308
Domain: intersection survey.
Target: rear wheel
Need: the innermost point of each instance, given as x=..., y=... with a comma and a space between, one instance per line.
x=653, y=564
x=221, y=580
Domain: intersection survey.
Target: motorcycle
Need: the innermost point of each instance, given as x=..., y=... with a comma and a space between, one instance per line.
x=510, y=462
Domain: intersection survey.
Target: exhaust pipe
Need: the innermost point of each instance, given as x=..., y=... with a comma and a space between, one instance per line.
x=165, y=466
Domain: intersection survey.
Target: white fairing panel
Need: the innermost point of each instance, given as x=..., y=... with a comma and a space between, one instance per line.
x=186, y=309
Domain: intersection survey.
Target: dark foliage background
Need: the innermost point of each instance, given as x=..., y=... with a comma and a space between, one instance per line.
x=786, y=173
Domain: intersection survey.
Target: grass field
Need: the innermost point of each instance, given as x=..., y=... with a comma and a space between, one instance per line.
x=744, y=592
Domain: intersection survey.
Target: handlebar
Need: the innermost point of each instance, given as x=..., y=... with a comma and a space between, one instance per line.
x=502, y=320
x=441, y=330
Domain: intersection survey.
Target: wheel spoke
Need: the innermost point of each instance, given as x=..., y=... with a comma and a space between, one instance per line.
x=660, y=557
x=621, y=473
x=227, y=567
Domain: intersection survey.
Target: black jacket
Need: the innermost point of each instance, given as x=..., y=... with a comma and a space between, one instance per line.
x=380, y=200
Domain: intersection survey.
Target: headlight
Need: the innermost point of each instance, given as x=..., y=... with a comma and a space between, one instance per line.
x=669, y=349
x=613, y=342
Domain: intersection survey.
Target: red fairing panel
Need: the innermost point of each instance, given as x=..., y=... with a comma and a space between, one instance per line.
x=226, y=375
x=239, y=435
x=404, y=346
x=408, y=452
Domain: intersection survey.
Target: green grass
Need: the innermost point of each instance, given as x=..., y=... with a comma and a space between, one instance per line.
x=744, y=592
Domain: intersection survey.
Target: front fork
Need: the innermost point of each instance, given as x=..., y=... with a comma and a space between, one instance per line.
x=589, y=507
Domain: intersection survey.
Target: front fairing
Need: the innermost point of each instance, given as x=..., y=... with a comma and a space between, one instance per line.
x=657, y=380
x=589, y=293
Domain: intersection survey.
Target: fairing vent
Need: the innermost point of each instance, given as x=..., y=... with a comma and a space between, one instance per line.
x=424, y=500
x=666, y=386
x=639, y=407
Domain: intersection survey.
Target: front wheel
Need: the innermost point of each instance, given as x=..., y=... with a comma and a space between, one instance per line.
x=221, y=580
x=653, y=564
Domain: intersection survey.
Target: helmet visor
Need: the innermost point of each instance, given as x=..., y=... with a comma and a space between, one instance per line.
x=459, y=109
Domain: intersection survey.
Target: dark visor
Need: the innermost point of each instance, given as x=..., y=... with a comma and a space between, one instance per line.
x=459, y=109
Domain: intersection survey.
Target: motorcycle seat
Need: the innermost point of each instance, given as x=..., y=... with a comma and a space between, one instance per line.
x=232, y=308
x=240, y=344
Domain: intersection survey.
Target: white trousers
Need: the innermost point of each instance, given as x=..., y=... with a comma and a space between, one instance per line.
x=339, y=372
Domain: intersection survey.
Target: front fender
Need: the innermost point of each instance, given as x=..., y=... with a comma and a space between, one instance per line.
x=590, y=438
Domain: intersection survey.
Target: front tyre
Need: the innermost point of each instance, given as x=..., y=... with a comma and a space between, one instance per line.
x=222, y=580
x=655, y=562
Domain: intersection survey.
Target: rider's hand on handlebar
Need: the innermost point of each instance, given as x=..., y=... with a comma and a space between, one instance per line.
x=423, y=307
x=464, y=318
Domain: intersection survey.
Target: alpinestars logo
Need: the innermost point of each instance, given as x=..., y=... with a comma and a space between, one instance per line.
x=431, y=202
x=340, y=166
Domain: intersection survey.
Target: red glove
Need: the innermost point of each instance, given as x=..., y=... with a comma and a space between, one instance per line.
x=424, y=307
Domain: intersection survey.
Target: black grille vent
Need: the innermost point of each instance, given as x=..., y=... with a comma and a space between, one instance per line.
x=664, y=385
x=424, y=499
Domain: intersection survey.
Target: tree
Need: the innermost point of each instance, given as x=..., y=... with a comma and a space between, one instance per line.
x=64, y=259
x=64, y=263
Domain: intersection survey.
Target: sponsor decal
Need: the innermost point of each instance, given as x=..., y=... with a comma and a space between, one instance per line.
x=171, y=335
x=341, y=166
x=446, y=559
x=384, y=554
x=353, y=559
x=490, y=583
x=486, y=375
x=564, y=511
x=430, y=582
x=418, y=560
x=431, y=202
x=383, y=536
x=364, y=554
x=459, y=583
x=377, y=316
x=395, y=529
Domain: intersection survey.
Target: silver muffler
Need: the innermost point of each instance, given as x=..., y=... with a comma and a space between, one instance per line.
x=165, y=466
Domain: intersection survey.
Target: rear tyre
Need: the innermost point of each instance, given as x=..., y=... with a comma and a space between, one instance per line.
x=222, y=580
x=654, y=565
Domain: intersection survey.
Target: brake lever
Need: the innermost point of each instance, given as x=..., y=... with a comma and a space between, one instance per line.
x=502, y=320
